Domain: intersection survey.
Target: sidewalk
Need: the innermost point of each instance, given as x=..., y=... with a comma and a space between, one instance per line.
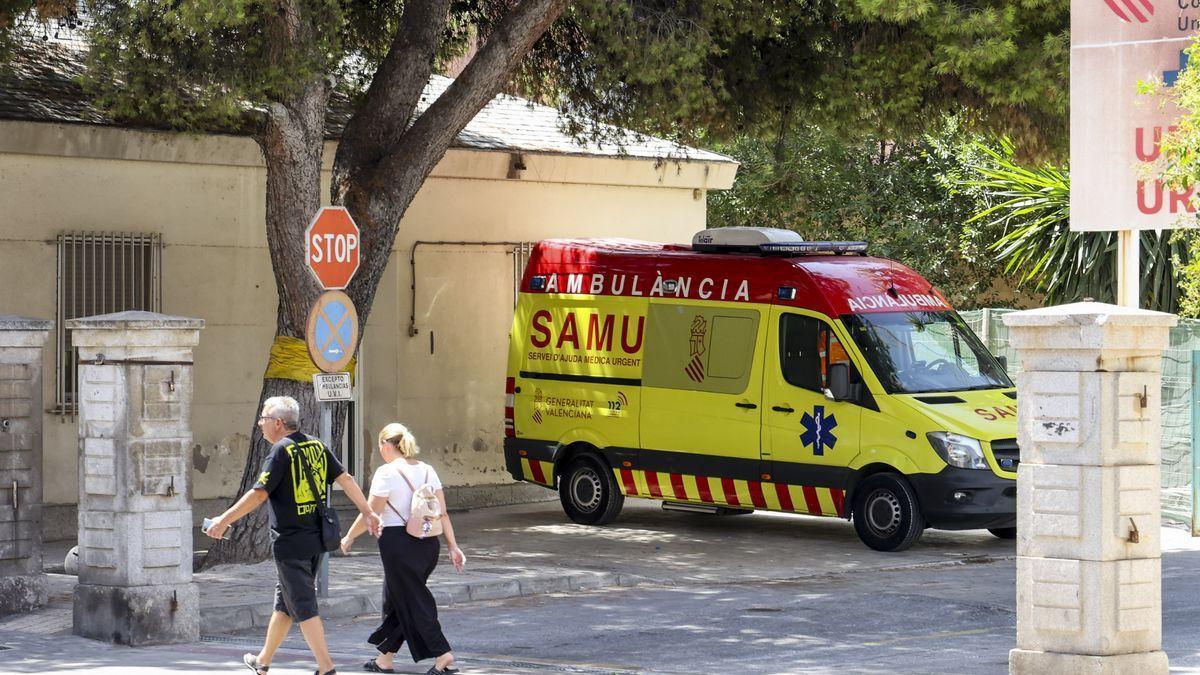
x=805, y=588
x=533, y=549
x=236, y=597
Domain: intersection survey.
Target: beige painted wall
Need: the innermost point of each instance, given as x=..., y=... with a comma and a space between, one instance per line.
x=205, y=195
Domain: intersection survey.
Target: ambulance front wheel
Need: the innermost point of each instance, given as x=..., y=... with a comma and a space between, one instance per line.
x=589, y=493
x=887, y=515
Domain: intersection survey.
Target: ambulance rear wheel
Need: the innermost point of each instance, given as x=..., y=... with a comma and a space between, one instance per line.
x=887, y=515
x=589, y=493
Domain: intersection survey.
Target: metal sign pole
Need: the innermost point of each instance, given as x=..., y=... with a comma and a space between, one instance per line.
x=1129, y=279
x=332, y=330
x=327, y=439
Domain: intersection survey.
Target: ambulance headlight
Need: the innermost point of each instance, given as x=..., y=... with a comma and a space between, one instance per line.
x=957, y=450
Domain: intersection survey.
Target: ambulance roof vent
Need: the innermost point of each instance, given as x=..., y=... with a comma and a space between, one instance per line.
x=742, y=239
x=767, y=241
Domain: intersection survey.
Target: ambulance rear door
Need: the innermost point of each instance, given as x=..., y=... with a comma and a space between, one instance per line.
x=702, y=389
x=808, y=439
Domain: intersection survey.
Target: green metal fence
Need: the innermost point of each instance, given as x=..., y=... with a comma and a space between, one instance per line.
x=1179, y=397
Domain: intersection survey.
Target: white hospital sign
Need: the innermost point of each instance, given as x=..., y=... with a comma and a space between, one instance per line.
x=1114, y=129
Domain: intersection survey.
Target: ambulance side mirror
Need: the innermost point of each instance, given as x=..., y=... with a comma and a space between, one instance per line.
x=1003, y=361
x=839, y=382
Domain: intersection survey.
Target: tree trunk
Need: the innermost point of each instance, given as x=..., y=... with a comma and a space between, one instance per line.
x=292, y=145
x=381, y=164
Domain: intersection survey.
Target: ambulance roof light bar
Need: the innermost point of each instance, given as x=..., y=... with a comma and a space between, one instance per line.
x=817, y=247
x=767, y=241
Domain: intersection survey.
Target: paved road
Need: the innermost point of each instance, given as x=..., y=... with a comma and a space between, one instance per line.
x=953, y=618
x=758, y=594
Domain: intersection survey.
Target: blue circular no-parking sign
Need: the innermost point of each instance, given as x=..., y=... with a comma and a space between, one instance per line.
x=332, y=331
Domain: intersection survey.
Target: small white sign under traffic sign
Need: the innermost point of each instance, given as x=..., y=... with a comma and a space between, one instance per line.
x=332, y=386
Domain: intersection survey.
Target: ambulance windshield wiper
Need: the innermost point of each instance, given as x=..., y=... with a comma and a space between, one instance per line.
x=951, y=390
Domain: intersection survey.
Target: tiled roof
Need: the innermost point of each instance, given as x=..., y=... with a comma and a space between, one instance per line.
x=511, y=123
x=41, y=84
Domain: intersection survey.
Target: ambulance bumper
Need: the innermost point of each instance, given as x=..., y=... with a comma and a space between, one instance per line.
x=516, y=449
x=966, y=499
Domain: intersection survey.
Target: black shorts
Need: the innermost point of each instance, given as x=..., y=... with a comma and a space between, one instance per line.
x=296, y=592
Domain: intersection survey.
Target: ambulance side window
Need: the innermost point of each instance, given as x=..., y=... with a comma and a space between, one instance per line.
x=831, y=352
x=699, y=348
x=807, y=347
x=798, y=356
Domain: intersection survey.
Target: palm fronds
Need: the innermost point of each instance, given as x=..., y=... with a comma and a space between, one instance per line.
x=1029, y=209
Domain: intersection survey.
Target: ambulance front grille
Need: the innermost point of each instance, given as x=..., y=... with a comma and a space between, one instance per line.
x=1007, y=454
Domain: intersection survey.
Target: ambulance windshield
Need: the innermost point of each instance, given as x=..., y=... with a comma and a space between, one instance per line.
x=921, y=352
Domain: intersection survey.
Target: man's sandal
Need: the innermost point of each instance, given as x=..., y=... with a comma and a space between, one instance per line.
x=373, y=666
x=450, y=670
x=251, y=662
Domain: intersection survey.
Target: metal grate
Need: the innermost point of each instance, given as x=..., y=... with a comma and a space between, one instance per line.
x=1006, y=450
x=520, y=252
x=100, y=273
x=1178, y=391
x=70, y=29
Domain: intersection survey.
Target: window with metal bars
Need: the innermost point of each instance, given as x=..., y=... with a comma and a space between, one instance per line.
x=520, y=252
x=101, y=273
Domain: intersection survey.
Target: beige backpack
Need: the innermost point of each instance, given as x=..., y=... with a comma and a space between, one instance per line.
x=426, y=519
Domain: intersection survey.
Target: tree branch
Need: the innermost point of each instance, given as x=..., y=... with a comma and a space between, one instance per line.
x=395, y=89
x=431, y=135
x=379, y=200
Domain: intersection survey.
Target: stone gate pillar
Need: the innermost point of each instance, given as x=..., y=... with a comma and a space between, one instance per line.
x=22, y=584
x=1089, y=592
x=135, y=513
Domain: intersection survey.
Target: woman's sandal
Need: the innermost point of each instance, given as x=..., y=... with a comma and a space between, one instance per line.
x=373, y=666
x=251, y=662
x=450, y=670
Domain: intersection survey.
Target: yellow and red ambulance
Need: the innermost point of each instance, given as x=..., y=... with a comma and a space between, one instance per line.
x=755, y=370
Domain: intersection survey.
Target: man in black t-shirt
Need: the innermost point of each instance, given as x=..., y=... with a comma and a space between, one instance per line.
x=296, y=464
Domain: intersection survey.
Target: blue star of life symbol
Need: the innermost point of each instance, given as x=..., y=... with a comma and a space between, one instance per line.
x=818, y=430
x=1170, y=77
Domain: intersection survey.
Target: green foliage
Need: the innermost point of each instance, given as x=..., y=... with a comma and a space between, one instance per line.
x=860, y=68
x=205, y=64
x=1030, y=206
x=907, y=200
x=1179, y=167
x=686, y=69
x=197, y=45
x=761, y=75
x=1179, y=161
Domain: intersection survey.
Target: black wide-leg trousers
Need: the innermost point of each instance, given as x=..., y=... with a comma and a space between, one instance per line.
x=409, y=610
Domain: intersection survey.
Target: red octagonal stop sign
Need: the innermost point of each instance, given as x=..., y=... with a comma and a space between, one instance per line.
x=332, y=244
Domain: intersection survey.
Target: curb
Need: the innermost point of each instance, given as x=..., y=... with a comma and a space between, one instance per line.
x=230, y=618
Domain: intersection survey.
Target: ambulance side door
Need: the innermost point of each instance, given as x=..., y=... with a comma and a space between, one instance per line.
x=702, y=388
x=808, y=439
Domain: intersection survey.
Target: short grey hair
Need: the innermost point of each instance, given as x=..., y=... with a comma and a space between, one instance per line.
x=284, y=408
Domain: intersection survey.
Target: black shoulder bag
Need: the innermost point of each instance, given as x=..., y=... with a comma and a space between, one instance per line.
x=331, y=529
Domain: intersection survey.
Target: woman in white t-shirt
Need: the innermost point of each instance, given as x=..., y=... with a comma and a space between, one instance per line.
x=409, y=610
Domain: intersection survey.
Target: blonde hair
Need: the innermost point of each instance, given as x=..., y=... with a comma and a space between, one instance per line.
x=398, y=435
